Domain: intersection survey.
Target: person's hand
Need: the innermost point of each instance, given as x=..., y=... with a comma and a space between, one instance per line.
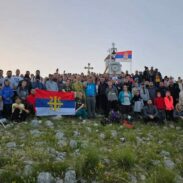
x=27, y=111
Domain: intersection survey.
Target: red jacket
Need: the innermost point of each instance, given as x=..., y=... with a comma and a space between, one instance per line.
x=31, y=100
x=169, y=103
x=159, y=103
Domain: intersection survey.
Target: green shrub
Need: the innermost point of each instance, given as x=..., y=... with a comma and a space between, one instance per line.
x=125, y=158
x=162, y=175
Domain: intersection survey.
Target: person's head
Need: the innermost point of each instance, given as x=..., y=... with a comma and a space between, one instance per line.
x=37, y=72
x=110, y=83
x=9, y=74
x=158, y=94
x=6, y=82
x=68, y=82
x=151, y=84
x=161, y=84
x=50, y=77
x=18, y=100
x=178, y=107
x=1, y=72
x=33, y=91
x=168, y=94
x=125, y=88
x=90, y=79
x=149, y=102
x=24, y=83
x=137, y=93
x=102, y=79
x=79, y=95
x=17, y=72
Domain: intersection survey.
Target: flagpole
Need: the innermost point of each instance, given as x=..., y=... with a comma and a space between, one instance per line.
x=131, y=67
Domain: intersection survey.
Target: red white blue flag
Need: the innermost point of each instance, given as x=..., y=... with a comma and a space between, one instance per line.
x=124, y=56
x=50, y=103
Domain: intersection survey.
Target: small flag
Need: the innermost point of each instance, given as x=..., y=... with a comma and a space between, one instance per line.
x=124, y=56
x=50, y=103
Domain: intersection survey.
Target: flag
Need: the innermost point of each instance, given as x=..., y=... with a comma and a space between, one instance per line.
x=50, y=103
x=124, y=56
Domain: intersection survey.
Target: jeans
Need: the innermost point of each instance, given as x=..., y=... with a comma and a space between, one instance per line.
x=91, y=102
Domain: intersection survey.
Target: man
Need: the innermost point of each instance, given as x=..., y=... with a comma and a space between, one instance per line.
x=37, y=84
x=90, y=97
x=1, y=78
x=102, y=95
x=51, y=85
x=17, y=78
x=150, y=112
x=152, y=91
x=10, y=79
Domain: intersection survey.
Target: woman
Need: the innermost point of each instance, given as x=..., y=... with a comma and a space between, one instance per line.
x=169, y=106
x=125, y=98
x=22, y=91
x=112, y=97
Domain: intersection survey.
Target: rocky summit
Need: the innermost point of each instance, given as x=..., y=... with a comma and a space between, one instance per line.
x=67, y=150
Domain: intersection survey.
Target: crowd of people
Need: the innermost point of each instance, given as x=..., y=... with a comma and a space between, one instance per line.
x=143, y=95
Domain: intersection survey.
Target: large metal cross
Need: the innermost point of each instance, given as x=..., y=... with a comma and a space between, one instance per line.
x=88, y=68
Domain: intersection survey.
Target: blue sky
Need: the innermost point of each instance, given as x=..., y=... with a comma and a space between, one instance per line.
x=67, y=34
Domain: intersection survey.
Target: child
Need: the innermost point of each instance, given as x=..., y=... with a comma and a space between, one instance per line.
x=19, y=113
x=160, y=105
x=169, y=106
x=80, y=106
x=1, y=102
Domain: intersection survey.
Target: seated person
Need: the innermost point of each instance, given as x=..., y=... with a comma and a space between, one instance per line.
x=19, y=113
x=80, y=106
x=150, y=112
x=178, y=112
x=160, y=105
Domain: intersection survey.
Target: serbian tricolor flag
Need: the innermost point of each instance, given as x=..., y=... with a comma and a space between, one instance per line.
x=124, y=56
x=50, y=103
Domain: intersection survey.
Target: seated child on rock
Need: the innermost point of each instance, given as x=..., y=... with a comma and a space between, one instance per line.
x=19, y=113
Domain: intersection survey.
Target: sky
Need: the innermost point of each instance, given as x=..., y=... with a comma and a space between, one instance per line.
x=68, y=34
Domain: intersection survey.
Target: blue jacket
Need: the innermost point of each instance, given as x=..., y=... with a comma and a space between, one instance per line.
x=7, y=94
x=91, y=90
x=38, y=85
x=121, y=97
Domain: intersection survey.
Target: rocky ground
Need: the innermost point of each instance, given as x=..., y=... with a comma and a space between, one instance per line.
x=66, y=150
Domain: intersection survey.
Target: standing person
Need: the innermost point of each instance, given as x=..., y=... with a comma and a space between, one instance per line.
x=174, y=90
x=37, y=84
x=1, y=102
x=17, y=78
x=7, y=95
x=102, y=95
x=1, y=78
x=160, y=105
x=112, y=98
x=169, y=105
x=125, y=98
x=138, y=104
x=152, y=91
x=50, y=84
x=9, y=77
x=90, y=97
x=144, y=93
x=31, y=102
x=22, y=91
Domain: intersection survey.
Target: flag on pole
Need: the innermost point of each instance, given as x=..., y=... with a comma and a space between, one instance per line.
x=124, y=56
x=49, y=103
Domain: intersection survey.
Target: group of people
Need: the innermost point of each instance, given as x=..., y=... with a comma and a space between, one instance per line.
x=144, y=95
